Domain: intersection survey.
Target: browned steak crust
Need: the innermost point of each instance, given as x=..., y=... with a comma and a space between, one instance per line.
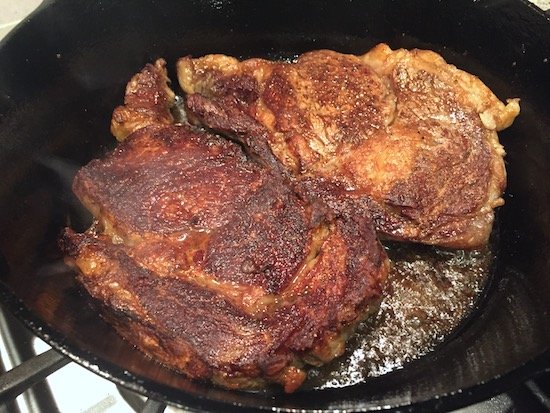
x=401, y=132
x=215, y=265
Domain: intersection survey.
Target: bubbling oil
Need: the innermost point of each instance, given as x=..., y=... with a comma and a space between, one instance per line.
x=428, y=293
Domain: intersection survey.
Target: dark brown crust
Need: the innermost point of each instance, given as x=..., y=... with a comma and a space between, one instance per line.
x=405, y=135
x=228, y=116
x=198, y=332
x=133, y=187
x=264, y=243
x=323, y=87
x=216, y=266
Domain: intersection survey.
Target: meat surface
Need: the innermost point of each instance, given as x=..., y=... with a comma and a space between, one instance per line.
x=147, y=101
x=211, y=262
x=402, y=135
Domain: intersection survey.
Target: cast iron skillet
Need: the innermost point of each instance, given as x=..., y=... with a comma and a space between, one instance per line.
x=64, y=70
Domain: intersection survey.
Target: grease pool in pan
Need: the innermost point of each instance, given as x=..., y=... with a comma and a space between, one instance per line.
x=429, y=292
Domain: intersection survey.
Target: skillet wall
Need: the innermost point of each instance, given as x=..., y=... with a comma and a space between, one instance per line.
x=63, y=72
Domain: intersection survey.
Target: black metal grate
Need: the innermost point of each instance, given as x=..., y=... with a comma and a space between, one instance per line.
x=36, y=369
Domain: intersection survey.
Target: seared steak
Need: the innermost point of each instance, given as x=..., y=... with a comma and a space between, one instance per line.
x=401, y=134
x=211, y=262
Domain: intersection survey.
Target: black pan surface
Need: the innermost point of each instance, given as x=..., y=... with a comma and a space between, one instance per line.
x=63, y=71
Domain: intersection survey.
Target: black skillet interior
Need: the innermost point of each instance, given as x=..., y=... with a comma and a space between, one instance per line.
x=64, y=70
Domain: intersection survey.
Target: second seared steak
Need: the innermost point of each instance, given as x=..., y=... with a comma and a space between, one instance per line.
x=402, y=134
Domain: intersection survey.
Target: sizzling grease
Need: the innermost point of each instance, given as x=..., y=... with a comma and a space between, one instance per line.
x=428, y=293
